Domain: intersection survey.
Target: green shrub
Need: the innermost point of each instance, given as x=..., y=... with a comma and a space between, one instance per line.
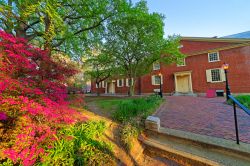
x=128, y=133
x=132, y=108
x=243, y=99
x=79, y=145
x=8, y=162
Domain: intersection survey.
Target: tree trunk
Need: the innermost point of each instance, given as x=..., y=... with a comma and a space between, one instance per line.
x=20, y=31
x=97, y=90
x=48, y=43
x=131, y=87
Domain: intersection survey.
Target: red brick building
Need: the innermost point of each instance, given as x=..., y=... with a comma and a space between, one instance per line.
x=200, y=71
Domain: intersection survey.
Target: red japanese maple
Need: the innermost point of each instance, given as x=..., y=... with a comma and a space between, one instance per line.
x=32, y=100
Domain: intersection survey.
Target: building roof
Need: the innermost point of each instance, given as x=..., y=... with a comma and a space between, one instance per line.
x=215, y=39
x=232, y=43
x=242, y=35
x=219, y=49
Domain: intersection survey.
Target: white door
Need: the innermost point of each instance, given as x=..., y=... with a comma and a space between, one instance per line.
x=111, y=88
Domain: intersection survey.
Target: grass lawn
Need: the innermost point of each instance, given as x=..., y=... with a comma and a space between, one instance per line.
x=104, y=106
x=124, y=109
x=243, y=99
x=109, y=105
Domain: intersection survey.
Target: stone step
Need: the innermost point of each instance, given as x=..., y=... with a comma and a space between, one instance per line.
x=196, y=149
x=185, y=94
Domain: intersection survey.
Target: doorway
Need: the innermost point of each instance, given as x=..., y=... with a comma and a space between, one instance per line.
x=183, y=82
x=111, y=88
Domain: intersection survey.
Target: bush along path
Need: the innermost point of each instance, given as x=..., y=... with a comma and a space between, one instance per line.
x=123, y=134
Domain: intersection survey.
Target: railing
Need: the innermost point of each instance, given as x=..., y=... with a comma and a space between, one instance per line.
x=236, y=102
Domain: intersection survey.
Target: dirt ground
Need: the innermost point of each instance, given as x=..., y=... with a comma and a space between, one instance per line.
x=137, y=156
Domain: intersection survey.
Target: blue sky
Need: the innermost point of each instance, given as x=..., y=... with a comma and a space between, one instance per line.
x=203, y=18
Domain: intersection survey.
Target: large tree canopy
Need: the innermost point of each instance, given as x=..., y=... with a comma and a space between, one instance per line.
x=135, y=40
x=63, y=25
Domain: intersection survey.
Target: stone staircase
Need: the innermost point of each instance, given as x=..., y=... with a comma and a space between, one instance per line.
x=193, y=149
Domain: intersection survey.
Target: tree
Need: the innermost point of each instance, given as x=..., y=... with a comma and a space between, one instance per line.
x=32, y=101
x=58, y=25
x=101, y=68
x=135, y=41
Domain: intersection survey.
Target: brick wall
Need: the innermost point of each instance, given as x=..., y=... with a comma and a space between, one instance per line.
x=238, y=73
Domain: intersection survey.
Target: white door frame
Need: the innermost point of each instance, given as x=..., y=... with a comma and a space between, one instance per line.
x=107, y=89
x=189, y=73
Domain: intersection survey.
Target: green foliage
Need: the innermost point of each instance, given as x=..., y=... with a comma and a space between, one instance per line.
x=79, y=145
x=132, y=108
x=128, y=134
x=66, y=25
x=7, y=163
x=243, y=99
x=135, y=40
x=109, y=105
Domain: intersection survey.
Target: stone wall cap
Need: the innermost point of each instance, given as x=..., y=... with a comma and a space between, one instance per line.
x=153, y=118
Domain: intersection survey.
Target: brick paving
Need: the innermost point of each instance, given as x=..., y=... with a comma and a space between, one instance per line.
x=205, y=116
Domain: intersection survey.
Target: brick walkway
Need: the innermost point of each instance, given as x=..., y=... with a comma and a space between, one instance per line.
x=206, y=116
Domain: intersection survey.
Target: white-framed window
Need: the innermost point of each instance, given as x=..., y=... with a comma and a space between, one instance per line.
x=103, y=84
x=181, y=62
x=129, y=83
x=215, y=75
x=156, y=66
x=213, y=57
x=120, y=83
x=156, y=80
x=96, y=85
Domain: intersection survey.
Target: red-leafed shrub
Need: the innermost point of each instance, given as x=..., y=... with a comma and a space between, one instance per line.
x=32, y=101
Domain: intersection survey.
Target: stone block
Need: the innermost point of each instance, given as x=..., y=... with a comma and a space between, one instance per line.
x=152, y=123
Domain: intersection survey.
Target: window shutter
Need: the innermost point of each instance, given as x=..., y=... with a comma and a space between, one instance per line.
x=222, y=74
x=103, y=84
x=117, y=81
x=208, y=75
x=153, y=80
x=127, y=82
x=122, y=82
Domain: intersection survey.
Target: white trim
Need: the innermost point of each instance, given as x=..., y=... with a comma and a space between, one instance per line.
x=103, y=84
x=158, y=63
x=188, y=73
x=118, y=85
x=213, y=53
x=153, y=80
x=100, y=85
x=106, y=87
x=132, y=81
x=220, y=72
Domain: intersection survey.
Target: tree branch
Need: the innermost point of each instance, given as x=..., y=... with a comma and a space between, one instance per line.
x=30, y=25
x=93, y=26
x=82, y=30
